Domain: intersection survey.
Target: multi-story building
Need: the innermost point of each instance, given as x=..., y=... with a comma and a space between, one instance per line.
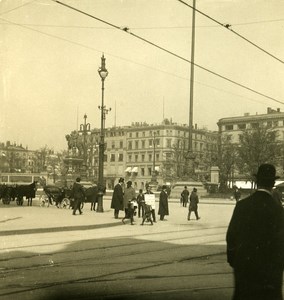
x=143, y=152
x=233, y=127
x=16, y=158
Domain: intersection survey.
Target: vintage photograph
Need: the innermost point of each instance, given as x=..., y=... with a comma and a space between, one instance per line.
x=141, y=149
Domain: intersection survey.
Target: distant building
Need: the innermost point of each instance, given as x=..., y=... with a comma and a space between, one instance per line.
x=232, y=127
x=17, y=159
x=141, y=151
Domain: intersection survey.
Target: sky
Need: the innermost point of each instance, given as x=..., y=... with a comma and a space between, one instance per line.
x=50, y=55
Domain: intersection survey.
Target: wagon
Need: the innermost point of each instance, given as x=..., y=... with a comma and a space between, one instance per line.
x=56, y=195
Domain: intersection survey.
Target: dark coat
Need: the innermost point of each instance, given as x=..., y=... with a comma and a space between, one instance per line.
x=163, y=204
x=194, y=200
x=117, y=198
x=185, y=195
x=255, y=247
x=78, y=191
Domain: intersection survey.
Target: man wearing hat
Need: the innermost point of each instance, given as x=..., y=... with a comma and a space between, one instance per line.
x=255, y=242
x=78, y=194
x=117, y=197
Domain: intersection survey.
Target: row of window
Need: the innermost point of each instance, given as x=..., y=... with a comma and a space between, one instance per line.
x=253, y=125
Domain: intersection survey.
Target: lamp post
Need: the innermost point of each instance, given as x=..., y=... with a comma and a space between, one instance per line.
x=103, y=74
x=84, y=130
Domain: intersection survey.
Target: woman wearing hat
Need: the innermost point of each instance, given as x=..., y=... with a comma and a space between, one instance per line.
x=255, y=242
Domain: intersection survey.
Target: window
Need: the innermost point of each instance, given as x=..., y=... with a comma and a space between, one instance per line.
x=150, y=171
x=112, y=157
x=169, y=143
x=142, y=172
x=136, y=158
x=137, y=134
x=150, y=143
x=157, y=157
x=150, y=157
x=275, y=123
x=121, y=144
x=130, y=134
x=136, y=145
x=120, y=157
x=105, y=158
x=113, y=144
x=242, y=126
x=143, y=144
x=143, y=133
x=129, y=158
x=229, y=127
x=157, y=141
x=129, y=145
x=143, y=157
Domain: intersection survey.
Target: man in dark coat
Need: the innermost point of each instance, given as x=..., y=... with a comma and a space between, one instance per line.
x=255, y=242
x=117, y=198
x=184, y=196
x=78, y=194
x=193, y=204
x=163, y=203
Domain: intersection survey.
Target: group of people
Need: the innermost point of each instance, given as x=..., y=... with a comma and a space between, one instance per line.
x=125, y=199
x=255, y=235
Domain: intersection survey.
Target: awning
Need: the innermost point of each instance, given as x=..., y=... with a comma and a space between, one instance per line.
x=128, y=170
x=157, y=169
x=135, y=170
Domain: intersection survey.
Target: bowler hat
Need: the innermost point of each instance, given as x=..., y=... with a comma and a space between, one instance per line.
x=129, y=182
x=266, y=171
x=121, y=179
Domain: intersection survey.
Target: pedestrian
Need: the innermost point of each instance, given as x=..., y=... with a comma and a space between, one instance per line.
x=184, y=196
x=129, y=195
x=140, y=199
x=117, y=197
x=153, y=212
x=78, y=195
x=237, y=193
x=255, y=242
x=163, y=203
x=131, y=210
x=193, y=204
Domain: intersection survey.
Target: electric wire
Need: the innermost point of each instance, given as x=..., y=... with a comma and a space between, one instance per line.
x=166, y=50
x=227, y=26
x=20, y=6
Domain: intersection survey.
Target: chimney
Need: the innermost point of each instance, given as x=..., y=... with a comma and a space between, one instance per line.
x=278, y=109
x=268, y=110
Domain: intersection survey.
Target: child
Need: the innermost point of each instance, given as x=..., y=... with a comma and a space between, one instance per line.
x=140, y=199
x=147, y=213
x=131, y=211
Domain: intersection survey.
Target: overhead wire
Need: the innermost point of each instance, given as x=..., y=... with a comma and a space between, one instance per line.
x=228, y=27
x=125, y=59
x=126, y=30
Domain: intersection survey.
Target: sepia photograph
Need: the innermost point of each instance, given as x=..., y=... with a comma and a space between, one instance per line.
x=142, y=149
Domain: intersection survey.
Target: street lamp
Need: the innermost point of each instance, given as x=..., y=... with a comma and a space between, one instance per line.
x=103, y=74
x=84, y=130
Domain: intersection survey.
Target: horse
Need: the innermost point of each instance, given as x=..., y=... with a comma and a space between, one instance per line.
x=28, y=191
x=91, y=194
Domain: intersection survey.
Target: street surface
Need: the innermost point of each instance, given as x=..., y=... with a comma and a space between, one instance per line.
x=47, y=253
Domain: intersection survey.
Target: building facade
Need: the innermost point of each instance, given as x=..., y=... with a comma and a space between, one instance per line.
x=230, y=129
x=234, y=126
x=145, y=152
